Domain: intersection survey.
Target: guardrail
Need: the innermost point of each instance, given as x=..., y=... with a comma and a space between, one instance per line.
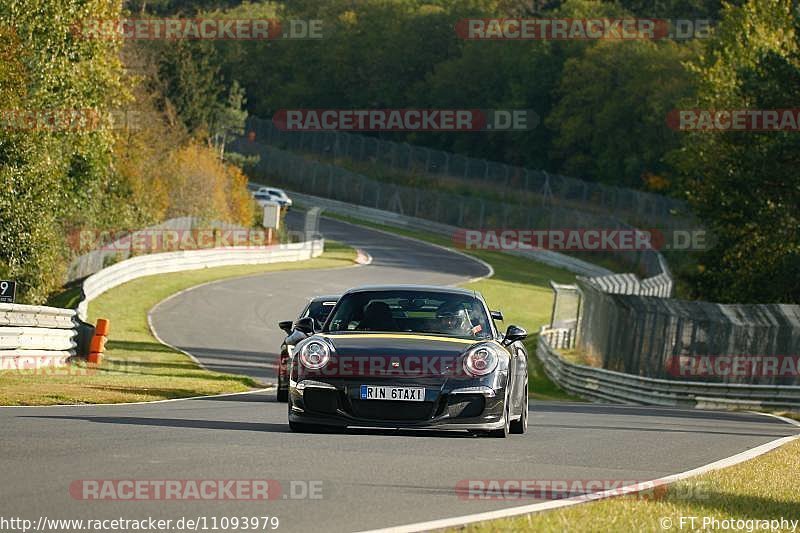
x=388, y=218
x=121, y=248
x=162, y=263
x=598, y=384
x=36, y=337
x=32, y=336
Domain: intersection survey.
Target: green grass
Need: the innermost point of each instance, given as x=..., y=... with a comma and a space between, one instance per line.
x=520, y=288
x=764, y=488
x=136, y=367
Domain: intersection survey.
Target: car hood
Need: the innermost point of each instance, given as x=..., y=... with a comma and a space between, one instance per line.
x=398, y=344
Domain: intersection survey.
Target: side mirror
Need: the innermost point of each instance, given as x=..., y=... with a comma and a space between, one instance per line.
x=286, y=325
x=496, y=315
x=514, y=334
x=305, y=325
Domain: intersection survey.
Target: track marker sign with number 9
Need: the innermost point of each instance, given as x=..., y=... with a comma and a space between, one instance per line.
x=8, y=290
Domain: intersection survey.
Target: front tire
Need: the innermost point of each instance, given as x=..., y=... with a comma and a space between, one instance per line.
x=297, y=427
x=282, y=395
x=518, y=427
x=505, y=430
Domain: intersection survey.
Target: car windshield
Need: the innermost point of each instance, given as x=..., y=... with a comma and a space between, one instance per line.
x=319, y=310
x=440, y=313
x=274, y=192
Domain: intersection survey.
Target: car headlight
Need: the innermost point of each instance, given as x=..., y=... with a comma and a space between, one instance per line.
x=314, y=355
x=480, y=361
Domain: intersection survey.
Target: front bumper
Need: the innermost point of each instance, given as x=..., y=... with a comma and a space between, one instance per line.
x=448, y=404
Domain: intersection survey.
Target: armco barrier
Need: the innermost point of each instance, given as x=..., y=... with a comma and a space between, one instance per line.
x=32, y=336
x=397, y=220
x=162, y=263
x=602, y=385
x=94, y=261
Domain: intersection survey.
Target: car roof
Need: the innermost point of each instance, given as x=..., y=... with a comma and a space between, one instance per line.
x=420, y=288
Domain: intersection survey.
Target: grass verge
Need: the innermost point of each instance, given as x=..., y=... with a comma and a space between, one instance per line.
x=136, y=367
x=520, y=288
x=764, y=488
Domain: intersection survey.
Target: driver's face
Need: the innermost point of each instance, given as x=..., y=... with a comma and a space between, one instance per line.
x=452, y=323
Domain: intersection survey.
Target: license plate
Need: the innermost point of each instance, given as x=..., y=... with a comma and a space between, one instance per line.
x=404, y=394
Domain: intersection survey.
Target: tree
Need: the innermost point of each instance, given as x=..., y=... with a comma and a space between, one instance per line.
x=745, y=185
x=193, y=84
x=229, y=118
x=610, y=117
x=53, y=179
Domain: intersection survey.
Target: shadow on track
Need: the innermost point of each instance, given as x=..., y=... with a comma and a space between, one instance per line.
x=700, y=431
x=252, y=426
x=177, y=423
x=652, y=411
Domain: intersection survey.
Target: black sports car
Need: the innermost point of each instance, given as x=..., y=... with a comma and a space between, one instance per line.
x=317, y=309
x=410, y=357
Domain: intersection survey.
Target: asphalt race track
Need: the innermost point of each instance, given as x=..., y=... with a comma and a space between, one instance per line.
x=233, y=325
x=367, y=479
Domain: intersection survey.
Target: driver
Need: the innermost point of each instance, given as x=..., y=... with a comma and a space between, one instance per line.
x=454, y=320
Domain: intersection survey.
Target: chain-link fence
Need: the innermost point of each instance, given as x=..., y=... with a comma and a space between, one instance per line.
x=310, y=176
x=663, y=337
x=632, y=206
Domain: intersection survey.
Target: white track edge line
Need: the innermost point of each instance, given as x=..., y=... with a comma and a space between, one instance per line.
x=630, y=489
x=483, y=263
x=779, y=417
x=155, y=334
x=223, y=395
